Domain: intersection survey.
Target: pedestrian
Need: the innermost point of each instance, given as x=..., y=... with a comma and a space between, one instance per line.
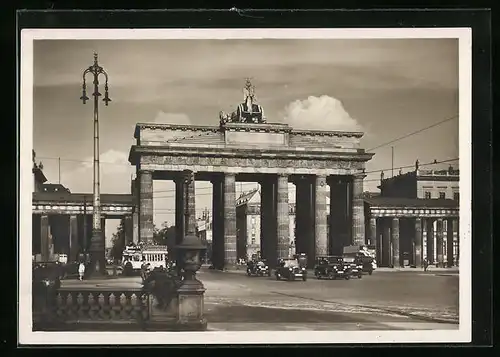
x=81, y=270
x=426, y=264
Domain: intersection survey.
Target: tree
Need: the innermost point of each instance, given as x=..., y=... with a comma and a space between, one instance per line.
x=118, y=241
x=165, y=235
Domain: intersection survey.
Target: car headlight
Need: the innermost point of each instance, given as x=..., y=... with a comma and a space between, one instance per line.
x=290, y=269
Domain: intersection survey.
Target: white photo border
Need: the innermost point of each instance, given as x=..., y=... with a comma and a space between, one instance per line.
x=25, y=131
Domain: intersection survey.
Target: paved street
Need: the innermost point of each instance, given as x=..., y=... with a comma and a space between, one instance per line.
x=385, y=300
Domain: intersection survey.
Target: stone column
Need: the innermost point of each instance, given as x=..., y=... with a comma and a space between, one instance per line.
x=386, y=255
x=229, y=219
x=73, y=239
x=439, y=243
x=358, y=211
x=395, y=243
x=128, y=228
x=146, y=206
x=457, y=229
x=418, y=242
x=430, y=240
x=373, y=233
x=44, y=238
x=179, y=209
x=217, y=223
x=190, y=221
x=283, y=217
x=135, y=227
x=320, y=229
x=450, y=240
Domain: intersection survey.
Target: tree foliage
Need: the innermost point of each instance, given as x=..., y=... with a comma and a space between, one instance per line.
x=118, y=241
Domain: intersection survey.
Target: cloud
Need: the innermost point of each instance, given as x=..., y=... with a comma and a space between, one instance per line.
x=320, y=113
x=115, y=173
x=172, y=118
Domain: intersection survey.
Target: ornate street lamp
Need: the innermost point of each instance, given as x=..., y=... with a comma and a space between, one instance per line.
x=97, y=254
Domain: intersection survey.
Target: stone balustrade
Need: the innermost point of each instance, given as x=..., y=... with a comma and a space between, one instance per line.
x=70, y=308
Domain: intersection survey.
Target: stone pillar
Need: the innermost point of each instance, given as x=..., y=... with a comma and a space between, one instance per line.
x=430, y=240
x=439, y=243
x=128, y=228
x=395, y=243
x=457, y=229
x=358, y=211
x=135, y=227
x=386, y=255
x=179, y=209
x=190, y=221
x=302, y=210
x=229, y=219
x=283, y=217
x=146, y=206
x=320, y=229
x=339, y=221
x=449, y=241
x=44, y=238
x=418, y=242
x=73, y=239
x=217, y=223
x=373, y=233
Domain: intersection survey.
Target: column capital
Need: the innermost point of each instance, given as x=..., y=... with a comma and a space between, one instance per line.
x=359, y=176
x=281, y=174
x=145, y=171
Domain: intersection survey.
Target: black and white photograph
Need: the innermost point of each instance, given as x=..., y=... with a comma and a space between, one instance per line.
x=214, y=186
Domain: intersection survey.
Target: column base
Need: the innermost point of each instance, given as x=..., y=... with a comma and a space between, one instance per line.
x=97, y=255
x=190, y=306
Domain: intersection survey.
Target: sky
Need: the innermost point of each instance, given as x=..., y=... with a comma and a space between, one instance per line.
x=386, y=88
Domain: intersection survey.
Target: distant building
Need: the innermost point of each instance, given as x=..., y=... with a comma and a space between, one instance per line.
x=54, y=187
x=423, y=184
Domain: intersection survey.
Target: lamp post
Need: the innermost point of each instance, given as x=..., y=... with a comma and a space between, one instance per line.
x=97, y=254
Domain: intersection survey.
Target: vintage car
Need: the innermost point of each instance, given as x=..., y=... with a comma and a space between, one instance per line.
x=331, y=267
x=365, y=264
x=258, y=268
x=354, y=266
x=290, y=269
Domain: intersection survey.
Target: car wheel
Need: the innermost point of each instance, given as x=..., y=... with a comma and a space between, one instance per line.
x=360, y=276
x=304, y=278
x=318, y=277
x=370, y=272
x=347, y=277
x=278, y=277
x=249, y=273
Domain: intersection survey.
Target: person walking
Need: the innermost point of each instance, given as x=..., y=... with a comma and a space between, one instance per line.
x=81, y=271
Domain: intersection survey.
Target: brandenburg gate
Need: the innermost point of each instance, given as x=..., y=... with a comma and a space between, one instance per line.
x=244, y=147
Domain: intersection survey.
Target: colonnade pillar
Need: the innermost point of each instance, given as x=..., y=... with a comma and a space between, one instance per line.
x=146, y=206
x=358, y=211
x=180, y=209
x=320, y=229
x=450, y=242
x=373, y=234
x=418, y=242
x=217, y=222
x=430, y=240
x=190, y=203
x=396, y=262
x=73, y=239
x=386, y=255
x=283, y=217
x=45, y=238
x=230, y=256
x=439, y=242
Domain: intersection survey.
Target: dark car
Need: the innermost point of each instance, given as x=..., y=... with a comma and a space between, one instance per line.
x=354, y=266
x=258, y=268
x=46, y=276
x=331, y=267
x=290, y=269
x=364, y=263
